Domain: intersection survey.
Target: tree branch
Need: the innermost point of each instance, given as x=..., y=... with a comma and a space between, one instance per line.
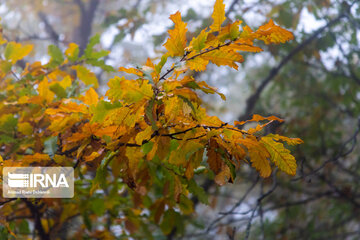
x=252, y=100
x=37, y=218
x=84, y=30
x=49, y=28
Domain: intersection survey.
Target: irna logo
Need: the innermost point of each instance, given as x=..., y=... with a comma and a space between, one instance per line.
x=35, y=180
x=38, y=182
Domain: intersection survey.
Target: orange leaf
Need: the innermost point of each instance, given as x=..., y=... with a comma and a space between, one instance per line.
x=220, y=57
x=177, y=41
x=36, y=157
x=72, y=107
x=131, y=71
x=245, y=47
x=271, y=33
x=44, y=91
x=214, y=158
x=91, y=97
x=223, y=176
x=257, y=118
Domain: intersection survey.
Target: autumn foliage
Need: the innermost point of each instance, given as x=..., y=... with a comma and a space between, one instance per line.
x=137, y=149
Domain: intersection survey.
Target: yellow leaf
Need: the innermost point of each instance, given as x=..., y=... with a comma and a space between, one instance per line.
x=86, y=76
x=131, y=71
x=244, y=47
x=207, y=120
x=258, y=155
x=170, y=84
x=185, y=150
x=23, y=99
x=218, y=16
x=198, y=64
x=290, y=141
x=36, y=157
x=129, y=90
x=69, y=211
x=72, y=51
x=60, y=159
x=187, y=93
x=82, y=147
x=1, y=159
x=280, y=156
x=144, y=135
x=91, y=97
x=2, y=39
x=44, y=90
x=66, y=82
x=134, y=156
x=247, y=35
x=15, y=51
x=220, y=57
x=176, y=43
x=92, y=156
x=25, y=128
x=58, y=124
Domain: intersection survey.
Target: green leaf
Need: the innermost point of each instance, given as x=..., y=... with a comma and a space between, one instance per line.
x=186, y=205
x=232, y=169
x=174, y=144
x=15, y=51
x=24, y=227
x=149, y=114
x=50, y=146
x=8, y=51
x=146, y=148
x=6, y=139
x=3, y=232
x=199, y=192
x=8, y=123
x=97, y=206
x=102, y=109
x=198, y=43
x=72, y=52
x=100, y=178
x=170, y=220
x=5, y=66
x=56, y=55
x=99, y=54
x=86, y=76
x=87, y=221
x=89, y=48
x=160, y=65
x=120, y=36
x=58, y=90
x=101, y=64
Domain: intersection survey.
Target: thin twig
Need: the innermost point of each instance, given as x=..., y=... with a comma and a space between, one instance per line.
x=252, y=100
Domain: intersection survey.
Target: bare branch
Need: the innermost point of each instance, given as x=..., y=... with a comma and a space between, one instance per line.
x=252, y=100
x=49, y=28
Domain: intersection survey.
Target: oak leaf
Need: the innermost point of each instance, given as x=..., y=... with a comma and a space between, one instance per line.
x=177, y=40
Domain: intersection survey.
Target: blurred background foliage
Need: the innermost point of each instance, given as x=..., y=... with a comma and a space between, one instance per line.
x=312, y=82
